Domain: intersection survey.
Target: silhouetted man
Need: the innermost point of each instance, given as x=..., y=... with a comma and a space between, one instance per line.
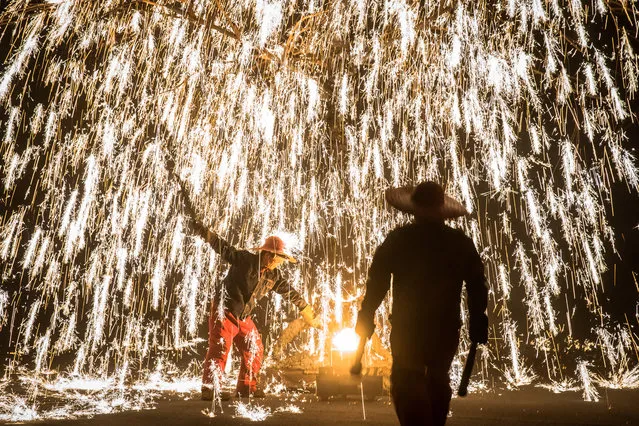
x=428, y=262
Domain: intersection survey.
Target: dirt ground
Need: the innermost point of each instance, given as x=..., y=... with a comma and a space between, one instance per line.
x=523, y=407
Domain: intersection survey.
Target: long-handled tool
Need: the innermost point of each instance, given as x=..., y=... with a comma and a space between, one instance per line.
x=356, y=369
x=288, y=334
x=468, y=369
x=198, y=225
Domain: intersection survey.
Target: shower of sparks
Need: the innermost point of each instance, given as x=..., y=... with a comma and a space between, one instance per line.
x=590, y=393
x=255, y=413
x=559, y=387
x=292, y=117
x=73, y=398
x=290, y=408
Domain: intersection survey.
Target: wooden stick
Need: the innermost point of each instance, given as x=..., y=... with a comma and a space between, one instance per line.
x=468, y=369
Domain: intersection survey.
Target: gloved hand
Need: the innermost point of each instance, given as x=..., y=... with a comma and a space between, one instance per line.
x=478, y=328
x=308, y=314
x=364, y=327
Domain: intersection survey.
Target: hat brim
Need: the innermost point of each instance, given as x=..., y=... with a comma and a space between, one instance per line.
x=285, y=255
x=401, y=199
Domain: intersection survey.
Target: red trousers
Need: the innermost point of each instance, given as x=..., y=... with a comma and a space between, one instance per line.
x=222, y=334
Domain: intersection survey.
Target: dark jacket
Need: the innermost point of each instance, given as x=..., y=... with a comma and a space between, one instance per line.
x=428, y=262
x=243, y=283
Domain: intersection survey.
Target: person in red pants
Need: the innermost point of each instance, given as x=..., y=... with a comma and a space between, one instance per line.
x=252, y=275
x=250, y=278
x=428, y=262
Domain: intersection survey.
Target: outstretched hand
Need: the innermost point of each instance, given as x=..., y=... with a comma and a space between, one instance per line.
x=188, y=206
x=170, y=167
x=198, y=225
x=308, y=314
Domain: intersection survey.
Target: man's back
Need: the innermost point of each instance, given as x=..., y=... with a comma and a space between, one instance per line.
x=429, y=262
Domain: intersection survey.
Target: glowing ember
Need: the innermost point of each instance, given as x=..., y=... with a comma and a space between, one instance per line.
x=252, y=412
x=294, y=409
x=346, y=340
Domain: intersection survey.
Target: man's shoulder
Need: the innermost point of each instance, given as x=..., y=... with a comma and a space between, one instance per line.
x=399, y=232
x=456, y=232
x=402, y=234
x=245, y=257
x=441, y=230
x=415, y=227
x=459, y=236
x=253, y=257
x=402, y=229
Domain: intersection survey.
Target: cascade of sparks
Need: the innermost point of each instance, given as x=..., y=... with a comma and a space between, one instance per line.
x=292, y=117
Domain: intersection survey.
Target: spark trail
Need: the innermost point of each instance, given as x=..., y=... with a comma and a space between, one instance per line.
x=292, y=117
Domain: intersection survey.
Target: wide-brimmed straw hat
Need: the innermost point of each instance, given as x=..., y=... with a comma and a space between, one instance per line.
x=276, y=246
x=426, y=200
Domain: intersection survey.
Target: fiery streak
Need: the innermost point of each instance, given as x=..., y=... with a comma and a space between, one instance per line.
x=589, y=391
x=285, y=124
x=255, y=413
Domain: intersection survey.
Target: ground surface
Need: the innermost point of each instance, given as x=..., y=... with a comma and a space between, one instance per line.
x=525, y=407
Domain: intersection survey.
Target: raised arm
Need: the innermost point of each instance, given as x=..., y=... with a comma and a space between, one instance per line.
x=377, y=285
x=221, y=246
x=477, y=296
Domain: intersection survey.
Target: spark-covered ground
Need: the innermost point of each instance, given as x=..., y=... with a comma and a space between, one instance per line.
x=292, y=117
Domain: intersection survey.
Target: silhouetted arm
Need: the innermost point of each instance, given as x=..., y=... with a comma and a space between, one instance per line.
x=221, y=246
x=377, y=285
x=477, y=296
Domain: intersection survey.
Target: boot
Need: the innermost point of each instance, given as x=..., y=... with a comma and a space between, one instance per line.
x=207, y=393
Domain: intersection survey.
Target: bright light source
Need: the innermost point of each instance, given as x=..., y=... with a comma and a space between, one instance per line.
x=346, y=340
